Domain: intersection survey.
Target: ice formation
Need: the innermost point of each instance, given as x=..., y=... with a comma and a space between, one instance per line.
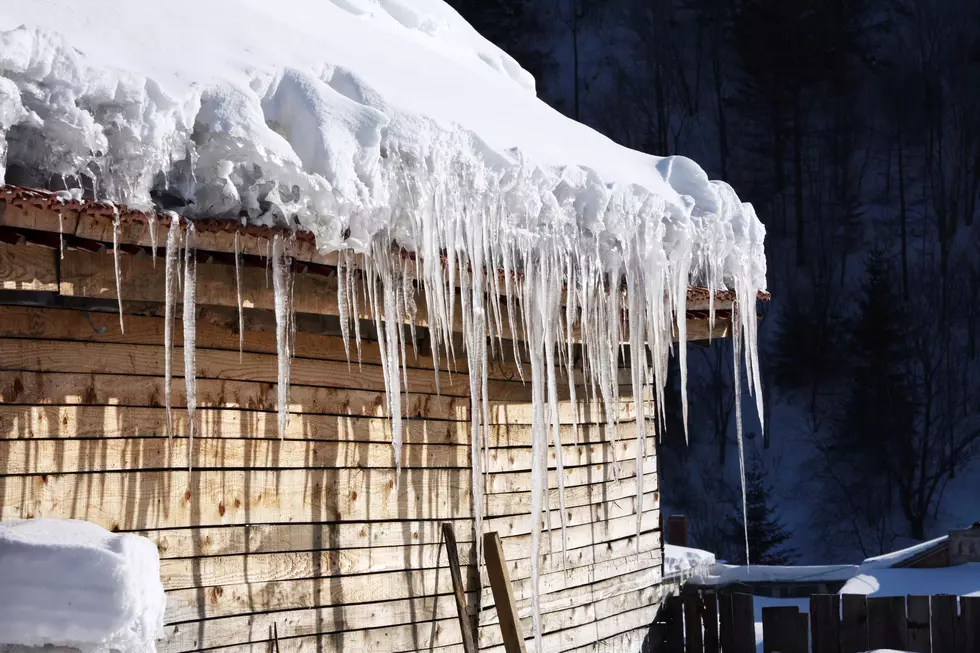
x=70, y=583
x=386, y=126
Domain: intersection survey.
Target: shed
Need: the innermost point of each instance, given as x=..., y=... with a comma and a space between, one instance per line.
x=355, y=282
x=308, y=532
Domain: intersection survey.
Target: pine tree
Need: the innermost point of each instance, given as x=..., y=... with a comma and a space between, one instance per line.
x=768, y=536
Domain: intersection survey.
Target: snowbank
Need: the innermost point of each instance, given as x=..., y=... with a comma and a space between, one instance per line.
x=73, y=584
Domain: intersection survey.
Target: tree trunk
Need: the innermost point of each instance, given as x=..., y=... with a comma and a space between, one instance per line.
x=903, y=213
x=798, y=175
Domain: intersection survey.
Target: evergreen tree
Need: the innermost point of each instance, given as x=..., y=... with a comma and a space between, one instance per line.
x=768, y=536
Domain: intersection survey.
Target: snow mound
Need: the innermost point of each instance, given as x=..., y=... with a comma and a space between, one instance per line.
x=70, y=583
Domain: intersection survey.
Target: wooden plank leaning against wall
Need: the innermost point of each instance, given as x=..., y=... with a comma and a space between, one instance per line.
x=307, y=532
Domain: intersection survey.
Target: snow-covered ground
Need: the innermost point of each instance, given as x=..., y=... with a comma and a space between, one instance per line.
x=70, y=583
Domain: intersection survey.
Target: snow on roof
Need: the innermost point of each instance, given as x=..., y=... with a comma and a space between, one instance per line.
x=682, y=561
x=72, y=583
x=895, y=557
x=962, y=580
x=358, y=103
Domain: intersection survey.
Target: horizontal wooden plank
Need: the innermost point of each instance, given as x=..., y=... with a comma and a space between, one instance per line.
x=627, y=600
x=331, y=558
x=135, y=231
x=28, y=268
x=157, y=499
x=100, y=358
x=440, y=635
x=358, y=591
x=46, y=389
x=74, y=455
x=76, y=389
x=222, y=632
x=115, y=421
x=235, y=540
x=578, y=579
x=216, y=329
x=585, y=634
x=27, y=216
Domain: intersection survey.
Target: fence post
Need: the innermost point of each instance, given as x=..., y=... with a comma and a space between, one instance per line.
x=727, y=626
x=886, y=623
x=825, y=623
x=918, y=625
x=854, y=627
x=743, y=623
x=693, y=640
x=673, y=612
x=943, y=626
x=709, y=615
x=782, y=631
x=970, y=623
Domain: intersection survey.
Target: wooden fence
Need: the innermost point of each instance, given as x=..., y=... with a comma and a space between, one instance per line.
x=705, y=622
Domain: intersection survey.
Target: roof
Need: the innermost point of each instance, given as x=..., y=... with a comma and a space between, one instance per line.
x=88, y=224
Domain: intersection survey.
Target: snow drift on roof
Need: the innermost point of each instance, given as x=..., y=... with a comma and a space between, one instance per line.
x=366, y=107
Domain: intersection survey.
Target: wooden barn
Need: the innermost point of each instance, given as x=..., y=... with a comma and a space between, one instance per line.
x=305, y=542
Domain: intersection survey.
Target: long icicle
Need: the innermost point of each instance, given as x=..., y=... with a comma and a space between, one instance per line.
x=170, y=306
x=190, y=335
x=238, y=288
x=115, y=263
x=281, y=270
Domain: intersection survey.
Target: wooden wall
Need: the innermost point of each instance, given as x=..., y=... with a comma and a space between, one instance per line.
x=305, y=534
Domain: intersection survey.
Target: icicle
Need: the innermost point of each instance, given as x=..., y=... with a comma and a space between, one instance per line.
x=281, y=276
x=737, y=381
x=61, y=235
x=343, y=302
x=170, y=305
x=115, y=261
x=190, y=335
x=151, y=222
x=238, y=287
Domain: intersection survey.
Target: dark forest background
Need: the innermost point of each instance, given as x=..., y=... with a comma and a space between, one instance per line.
x=853, y=126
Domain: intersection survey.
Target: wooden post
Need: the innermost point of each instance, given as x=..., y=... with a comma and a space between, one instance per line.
x=465, y=627
x=799, y=640
x=825, y=623
x=854, y=626
x=673, y=614
x=693, y=637
x=743, y=623
x=919, y=640
x=709, y=616
x=776, y=625
x=970, y=624
x=886, y=623
x=727, y=627
x=943, y=623
x=503, y=594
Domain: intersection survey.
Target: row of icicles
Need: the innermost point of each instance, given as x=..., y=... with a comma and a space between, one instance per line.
x=543, y=302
